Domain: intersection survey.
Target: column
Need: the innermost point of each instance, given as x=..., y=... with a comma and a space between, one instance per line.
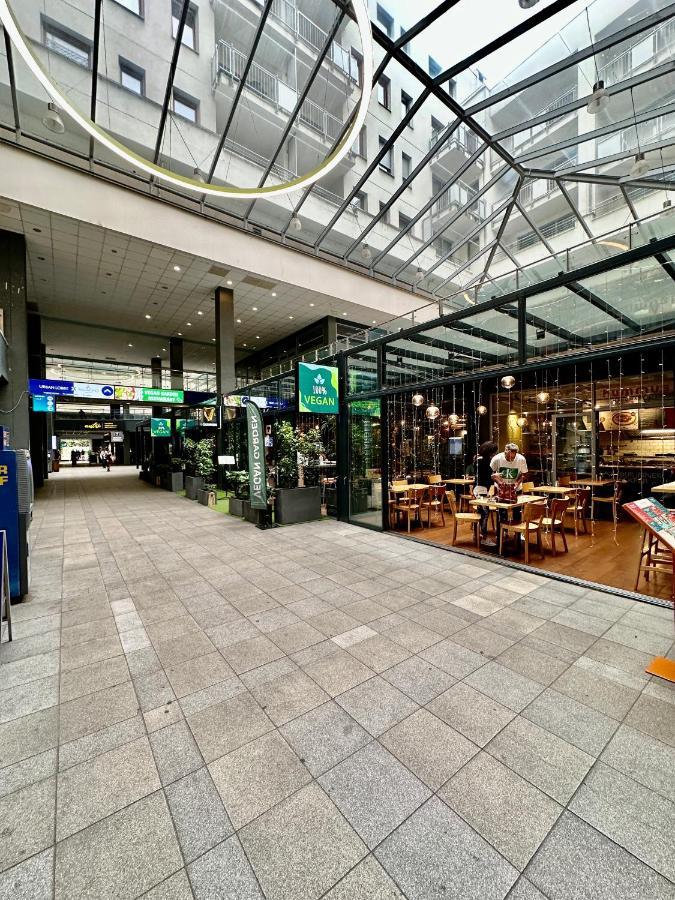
x=225, y=379
x=13, y=393
x=37, y=422
x=176, y=363
x=156, y=376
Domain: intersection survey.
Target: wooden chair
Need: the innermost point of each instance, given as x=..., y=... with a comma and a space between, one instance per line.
x=409, y=505
x=528, y=487
x=533, y=514
x=434, y=501
x=466, y=498
x=473, y=518
x=434, y=479
x=614, y=500
x=555, y=521
x=564, y=481
x=578, y=509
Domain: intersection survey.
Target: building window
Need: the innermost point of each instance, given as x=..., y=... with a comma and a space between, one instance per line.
x=437, y=128
x=387, y=161
x=405, y=47
x=134, y=6
x=442, y=246
x=452, y=87
x=75, y=48
x=356, y=66
x=360, y=201
x=384, y=213
x=406, y=166
x=132, y=77
x=385, y=21
x=434, y=67
x=185, y=106
x=404, y=222
x=406, y=104
x=360, y=147
x=190, y=29
x=384, y=92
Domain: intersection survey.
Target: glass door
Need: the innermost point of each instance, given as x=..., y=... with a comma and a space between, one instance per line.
x=365, y=463
x=573, y=445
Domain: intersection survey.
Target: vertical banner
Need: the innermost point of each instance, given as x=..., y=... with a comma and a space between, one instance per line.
x=256, y=457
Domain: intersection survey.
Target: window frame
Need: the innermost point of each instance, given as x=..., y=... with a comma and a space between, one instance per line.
x=384, y=86
x=135, y=72
x=141, y=8
x=186, y=100
x=389, y=170
x=406, y=163
x=406, y=105
x=66, y=35
x=193, y=11
x=385, y=19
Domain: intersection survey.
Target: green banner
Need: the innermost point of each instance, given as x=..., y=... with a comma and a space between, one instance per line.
x=161, y=395
x=317, y=389
x=183, y=425
x=256, y=457
x=365, y=407
x=160, y=427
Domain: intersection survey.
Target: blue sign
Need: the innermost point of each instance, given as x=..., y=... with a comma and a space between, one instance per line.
x=45, y=386
x=44, y=403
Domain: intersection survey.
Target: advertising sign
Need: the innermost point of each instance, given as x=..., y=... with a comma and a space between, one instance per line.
x=117, y=437
x=365, y=407
x=160, y=427
x=620, y=420
x=44, y=403
x=93, y=391
x=161, y=395
x=317, y=389
x=210, y=416
x=183, y=425
x=256, y=457
x=88, y=391
x=46, y=386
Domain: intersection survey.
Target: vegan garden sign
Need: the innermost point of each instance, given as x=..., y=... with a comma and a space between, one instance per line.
x=256, y=457
x=317, y=389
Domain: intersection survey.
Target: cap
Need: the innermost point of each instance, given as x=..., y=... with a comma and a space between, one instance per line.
x=511, y=447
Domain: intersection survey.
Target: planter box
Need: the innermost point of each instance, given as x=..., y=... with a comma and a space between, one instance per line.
x=206, y=498
x=297, y=505
x=193, y=483
x=237, y=507
x=255, y=516
x=56, y=465
x=175, y=481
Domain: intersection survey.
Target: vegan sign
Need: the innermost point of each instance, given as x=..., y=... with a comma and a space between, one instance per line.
x=317, y=389
x=256, y=457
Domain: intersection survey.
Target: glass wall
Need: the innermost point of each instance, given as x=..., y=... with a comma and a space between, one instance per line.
x=365, y=462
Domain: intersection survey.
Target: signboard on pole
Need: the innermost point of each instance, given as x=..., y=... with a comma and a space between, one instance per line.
x=256, y=457
x=318, y=389
x=45, y=403
x=160, y=427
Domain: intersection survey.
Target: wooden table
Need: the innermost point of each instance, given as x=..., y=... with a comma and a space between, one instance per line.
x=667, y=488
x=592, y=482
x=523, y=500
x=554, y=489
x=403, y=488
x=458, y=480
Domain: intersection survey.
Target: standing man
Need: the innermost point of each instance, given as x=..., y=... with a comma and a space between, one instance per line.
x=509, y=467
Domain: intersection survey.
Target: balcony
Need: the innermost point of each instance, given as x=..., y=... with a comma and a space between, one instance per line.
x=453, y=152
x=660, y=41
x=231, y=62
x=456, y=196
x=529, y=136
x=302, y=27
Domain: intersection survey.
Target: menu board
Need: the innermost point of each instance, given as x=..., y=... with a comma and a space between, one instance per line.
x=655, y=517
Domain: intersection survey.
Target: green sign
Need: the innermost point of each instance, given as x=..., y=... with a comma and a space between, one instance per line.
x=256, y=457
x=317, y=389
x=160, y=427
x=183, y=425
x=365, y=408
x=44, y=403
x=161, y=395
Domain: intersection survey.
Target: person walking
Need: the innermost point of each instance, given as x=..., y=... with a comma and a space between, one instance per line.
x=483, y=475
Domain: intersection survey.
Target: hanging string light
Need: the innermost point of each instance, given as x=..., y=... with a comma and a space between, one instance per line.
x=508, y=382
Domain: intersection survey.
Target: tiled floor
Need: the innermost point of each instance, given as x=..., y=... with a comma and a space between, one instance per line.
x=194, y=707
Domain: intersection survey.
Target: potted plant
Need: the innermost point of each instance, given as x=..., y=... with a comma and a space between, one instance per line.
x=176, y=474
x=297, y=458
x=239, y=484
x=207, y=495
x=204, y=469
x=198, y=458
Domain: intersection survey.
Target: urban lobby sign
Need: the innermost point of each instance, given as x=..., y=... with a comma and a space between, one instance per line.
x=84, y=391
x=318, y=389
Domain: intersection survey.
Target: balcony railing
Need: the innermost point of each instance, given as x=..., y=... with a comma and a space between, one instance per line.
x=662, y=38
x=231, y=62
x=462, y=137
x=455, y=196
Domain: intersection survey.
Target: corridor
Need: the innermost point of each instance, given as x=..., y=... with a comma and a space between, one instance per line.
x=194, y=707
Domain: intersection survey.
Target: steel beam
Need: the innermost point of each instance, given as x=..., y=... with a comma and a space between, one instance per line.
x=169, y=82
x=602, y=305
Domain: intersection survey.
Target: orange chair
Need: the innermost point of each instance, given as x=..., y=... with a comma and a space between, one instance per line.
x=555, y=522
x=409, y=505
x=473, y=518
x=531, y=524
x=578, y=509
x=434, y=501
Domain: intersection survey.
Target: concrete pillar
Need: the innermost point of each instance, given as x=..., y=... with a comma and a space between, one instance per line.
x=13, y=394
x=225, y=379
x=176, y=363
x=37, y=422
x=156, y=371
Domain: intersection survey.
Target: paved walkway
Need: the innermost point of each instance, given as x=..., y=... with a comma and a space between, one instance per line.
x=193, y=707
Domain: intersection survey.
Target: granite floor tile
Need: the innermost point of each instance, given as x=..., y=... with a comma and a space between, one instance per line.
x=256, y=777
x=642, y=758
x=175, y=751
x=32, y=879
x=31, y=668
x=569, y=638
x=287, y=697
x=542, y=758
x=574, y=722
x=94, y=789
x=532, y=664
x=161, y=716
x=525, y=890
x=653, y=716
x=324, y=736
x=27, y=818
x=435, y=855
x=224, y=873
x=419, y=679
x=210, y=696
x=24, y=699
x=296, y=637
x=504, y=685
x=602, y=694
x=198, y=673
x=88, y=631
x=645, y=641
x=252, y=653
x=576, y=862
x=198, y=814
x=338, y=672
x=178, y=650
x=473, y=714
x=301, y=847
x=619, y=656
x=176, y=887
x=153, y=690
x=31, y=734
x=82, y=654
x=367, y=881
x=108, y=738
x=106, y=859
x=94, y=677
x=454, y=659
x=225, y=726
x=428, y=747
x=376, y=705
x=27, y=771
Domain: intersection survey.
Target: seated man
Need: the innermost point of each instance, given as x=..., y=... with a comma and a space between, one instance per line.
x=509, y=467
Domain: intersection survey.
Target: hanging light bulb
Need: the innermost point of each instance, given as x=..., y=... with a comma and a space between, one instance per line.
x=417, y=399
x=445, y=423
x=481, y=410
x=432, y=412
x=419, y=274
x=295, y=223
x=640, y=166
x=453, y=419
x=521, y=421
x=52, y=120
x=197, y=175
x=365, y=253
x=599, y=99
x=508, y=381
x=543, y=396
x=668, y=205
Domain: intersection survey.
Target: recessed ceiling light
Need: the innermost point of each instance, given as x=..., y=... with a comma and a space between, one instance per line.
x=130, y=345
x=254, y=308
x=148, y=316
x=344, y=314
x=163, y=349
x=229, y=283
x=311, y=304
x=291, y=317
x=176, y=268
x=199, y=312
x=180, y=334
x=213, y=339
x=374, y=321
x=239, y=321
x=257, y=337
x=273, y=294
x=244, y=345
x=188, y=323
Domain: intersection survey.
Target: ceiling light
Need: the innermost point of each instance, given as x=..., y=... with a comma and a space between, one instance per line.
x=374, y=321
x=180, y=334
x=176, y=268
x=640, y=166
x=238, y=321
x=365, y=253
x=311, y=304
x=188, y=323
x=254, y=308
x=163, y=349
x=199, y=312
x=52, y=120
x=130, y=345
x=291, y=317
x=481, y=410
x=508, y=381
x=273, y=294
x=417, y=399
x=148, y=316
x=599, y=99
x=257, y=337
x=213, y=339
x=229, y=283
x=527, y=4
x=244, y=345
x=432, y=412
x=543, y=396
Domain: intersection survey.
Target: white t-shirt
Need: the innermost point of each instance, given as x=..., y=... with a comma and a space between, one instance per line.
x=509, y=470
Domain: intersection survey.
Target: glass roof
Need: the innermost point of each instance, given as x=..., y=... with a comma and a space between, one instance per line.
x=482, y=153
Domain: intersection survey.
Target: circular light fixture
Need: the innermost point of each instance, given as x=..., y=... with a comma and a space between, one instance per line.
x=273, y=293
x=291, y=317
x=311, y=304
x=52, y=120
x=521, y=421
x=417, y=399
x=148, y=316
x=176, y=268
x=453, y=418
x=365, y=253
x=137, y=162
x=296, y=224
x=599, y=99
x=163, y=349
x=130, y=345
x=543, y=396
x=254, y=308
x=238, y=321
x=508, y=381
x=229, y=283
x=180, y=334
x=640, y=166
x=432, y=412
x=189, y=323
x=481, y=410
x=199, y=312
